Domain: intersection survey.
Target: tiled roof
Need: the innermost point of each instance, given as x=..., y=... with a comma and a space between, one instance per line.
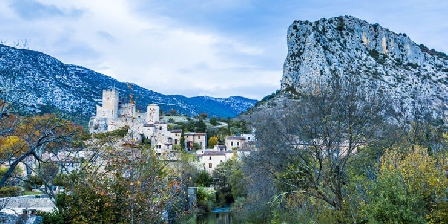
x=213, y=153
x=193, y=134
x=235, y=138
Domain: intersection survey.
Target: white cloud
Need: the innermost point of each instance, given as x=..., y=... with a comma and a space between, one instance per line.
x=203, y=47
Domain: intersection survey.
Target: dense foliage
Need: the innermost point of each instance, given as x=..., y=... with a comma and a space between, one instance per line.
x=338, y=155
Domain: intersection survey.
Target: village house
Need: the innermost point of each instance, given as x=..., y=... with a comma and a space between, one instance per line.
x=234, y=142
x=192, y=138
x=211, y=158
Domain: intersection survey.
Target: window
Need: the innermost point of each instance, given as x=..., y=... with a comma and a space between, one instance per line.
x=210, y=165
x=231, y=143
x=210, y=158
x=199, y=137
x=237, y=143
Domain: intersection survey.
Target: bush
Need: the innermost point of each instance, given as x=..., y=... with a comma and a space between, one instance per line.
x=205, y=199
x=203, y=179
x=10, y=191
x=51, y=217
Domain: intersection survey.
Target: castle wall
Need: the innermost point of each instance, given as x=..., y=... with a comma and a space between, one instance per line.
x=152, y=113
x=102, y=112
x=127, y=110
x=110, y=102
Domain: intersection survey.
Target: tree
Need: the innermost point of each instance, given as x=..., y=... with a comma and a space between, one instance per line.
x=121, y=184
x=305, y=145
x=213, y=121
x=229, y=181
x=229, y=124
x=14, y=177
x=203, y=179
x=410, y=188
x=33, y=136
x=173, y=112
x=200, y=126
x=203, y=116
x=212, y=141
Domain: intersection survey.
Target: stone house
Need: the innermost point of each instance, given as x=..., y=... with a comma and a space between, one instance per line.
x=192, y=137
x=234, y=142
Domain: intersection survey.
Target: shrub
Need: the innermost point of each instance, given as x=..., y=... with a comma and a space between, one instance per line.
x=205, y=199
x=10, y=191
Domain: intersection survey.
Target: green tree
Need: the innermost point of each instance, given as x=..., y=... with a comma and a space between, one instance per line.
x=203, y=179
x=200, y=126
x=212, y=141
x=213, y=121
x=410, y=187
x=229, y=181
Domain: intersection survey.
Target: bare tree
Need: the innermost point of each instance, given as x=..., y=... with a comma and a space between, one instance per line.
x=306, y=143
x=31, y=137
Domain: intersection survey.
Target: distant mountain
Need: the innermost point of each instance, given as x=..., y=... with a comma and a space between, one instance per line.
x=384, y=62
x=38, y=83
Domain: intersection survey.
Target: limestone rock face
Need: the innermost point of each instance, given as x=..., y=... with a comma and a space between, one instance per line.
x=385, y=61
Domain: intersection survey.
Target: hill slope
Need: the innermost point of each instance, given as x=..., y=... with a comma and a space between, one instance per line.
x=35, y=83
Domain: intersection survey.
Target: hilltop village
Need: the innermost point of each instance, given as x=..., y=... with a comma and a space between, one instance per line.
x=169, y=137
x=154, y=128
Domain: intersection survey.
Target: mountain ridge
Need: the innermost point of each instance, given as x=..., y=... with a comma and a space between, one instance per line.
x=37, y=83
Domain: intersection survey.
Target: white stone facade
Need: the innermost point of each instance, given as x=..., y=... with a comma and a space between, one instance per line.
x=235, y=142
x=113, y=115
x=192, y=137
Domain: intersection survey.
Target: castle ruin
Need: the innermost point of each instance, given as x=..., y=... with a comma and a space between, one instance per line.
x=113, y=115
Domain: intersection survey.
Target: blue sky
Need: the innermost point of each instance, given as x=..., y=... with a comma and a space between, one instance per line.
x=217, y=48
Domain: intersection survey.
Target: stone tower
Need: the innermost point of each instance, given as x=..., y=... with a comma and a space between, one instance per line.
x=152, y=114
x=110, y=102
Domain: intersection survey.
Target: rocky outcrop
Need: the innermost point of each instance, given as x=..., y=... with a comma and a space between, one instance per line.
x=384, y=60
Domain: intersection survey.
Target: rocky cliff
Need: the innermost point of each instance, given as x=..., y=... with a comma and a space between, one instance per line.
x=385, y=61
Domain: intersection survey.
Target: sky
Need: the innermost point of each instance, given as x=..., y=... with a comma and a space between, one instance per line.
x=216, y=48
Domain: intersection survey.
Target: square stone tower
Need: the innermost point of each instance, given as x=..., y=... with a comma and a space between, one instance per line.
x=110, y=103
x=152, y=114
